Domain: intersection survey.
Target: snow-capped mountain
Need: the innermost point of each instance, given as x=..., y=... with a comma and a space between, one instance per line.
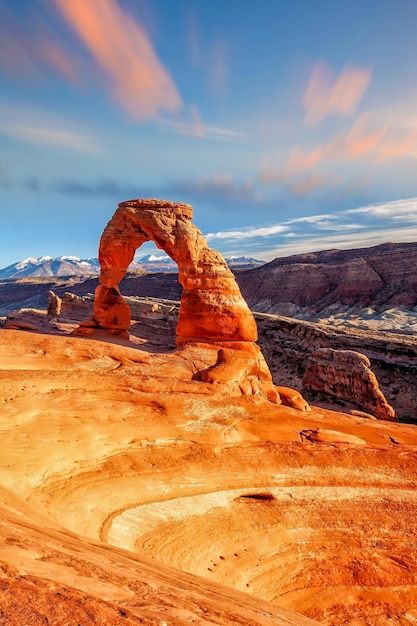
x=155, y=263
x=72, y=266
x=243, y=262
x=49, y=266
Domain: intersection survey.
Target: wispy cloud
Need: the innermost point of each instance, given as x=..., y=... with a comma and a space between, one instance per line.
x=294, y=178
x=121, y=54
x=311, y=219
x=360, y=227
x=396, y=209
x=122, y=50
x=343, y=240
x=248, y=233
x=34, y=50
x=191, y=124
x=304, y=185
x=59, y=60
x=218, y=188
x=368, y=141
x=326, y=96
x=106, y=187
x=50, y=137
x=33, y=126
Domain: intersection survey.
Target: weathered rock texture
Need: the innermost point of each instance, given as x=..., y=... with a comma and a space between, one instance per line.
x=212, y=309
x=346, y=375
x=287, y=345
x=306, y=284
x=106, y=446
x=54, y=304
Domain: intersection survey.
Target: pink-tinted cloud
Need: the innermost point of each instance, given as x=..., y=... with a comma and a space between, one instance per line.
x=307, y=184
x=57, y=59
x=368, y=141
x=325, y=96
x=300, y=161
x=398, y=144
x=295, y=177
x=33, y=51
x=363, y=138
x=121, y=48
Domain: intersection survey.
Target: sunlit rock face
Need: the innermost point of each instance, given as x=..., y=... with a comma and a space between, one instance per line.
x=212, y=308
x=346, y=374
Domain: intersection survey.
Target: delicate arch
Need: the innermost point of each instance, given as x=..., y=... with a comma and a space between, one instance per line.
x=212, y=308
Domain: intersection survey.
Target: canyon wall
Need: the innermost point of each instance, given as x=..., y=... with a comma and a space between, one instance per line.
x=306, y=284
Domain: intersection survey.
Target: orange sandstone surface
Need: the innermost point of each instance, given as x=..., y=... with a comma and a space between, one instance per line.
x=106, y=446
x=183, y=487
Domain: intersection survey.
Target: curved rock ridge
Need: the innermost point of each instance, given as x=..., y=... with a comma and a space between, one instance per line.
x=212, y=308
x=104, y=442
x=346, y=375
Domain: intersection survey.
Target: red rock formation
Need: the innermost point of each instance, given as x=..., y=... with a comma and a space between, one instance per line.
x=382, y=275
x=346, y=375
x=212, y=309
x=54, y=304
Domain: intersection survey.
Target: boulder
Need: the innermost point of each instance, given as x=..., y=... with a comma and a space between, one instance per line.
x=346, y=375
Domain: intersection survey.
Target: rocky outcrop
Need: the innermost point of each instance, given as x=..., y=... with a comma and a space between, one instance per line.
x=287, y=345
x=346, y=375
x=306, y=284
x=324, y=435
x=54, y=304
x=212, y=310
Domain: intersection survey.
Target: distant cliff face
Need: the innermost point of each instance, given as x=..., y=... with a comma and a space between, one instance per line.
x=309, y=283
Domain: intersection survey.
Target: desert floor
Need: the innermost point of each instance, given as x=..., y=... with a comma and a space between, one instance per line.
x=131, y=493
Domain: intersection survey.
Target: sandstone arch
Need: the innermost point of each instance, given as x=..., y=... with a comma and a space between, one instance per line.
x=212, y=310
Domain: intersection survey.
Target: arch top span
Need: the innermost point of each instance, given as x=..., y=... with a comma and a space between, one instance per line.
x=181, y=209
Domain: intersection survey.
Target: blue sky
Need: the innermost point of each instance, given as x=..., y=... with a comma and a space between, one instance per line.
x=289, y=126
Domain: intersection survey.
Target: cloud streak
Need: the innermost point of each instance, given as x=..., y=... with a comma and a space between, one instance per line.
x=219, y=188
x=368, y=142
x=43, y=130
x=248, y=233
x=29, y=53
x=122, y=50
x=324, y=96
x=192, y=125
x=390, y=221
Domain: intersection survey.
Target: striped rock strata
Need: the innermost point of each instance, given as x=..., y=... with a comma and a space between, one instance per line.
x=346, y=375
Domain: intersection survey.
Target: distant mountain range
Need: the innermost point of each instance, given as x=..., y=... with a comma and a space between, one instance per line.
x=73, y=266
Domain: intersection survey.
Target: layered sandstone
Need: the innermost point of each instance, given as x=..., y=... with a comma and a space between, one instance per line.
x=118, y=466
x=306, y=284
x=212, y=310
x=287, y=345
x=346, y=375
